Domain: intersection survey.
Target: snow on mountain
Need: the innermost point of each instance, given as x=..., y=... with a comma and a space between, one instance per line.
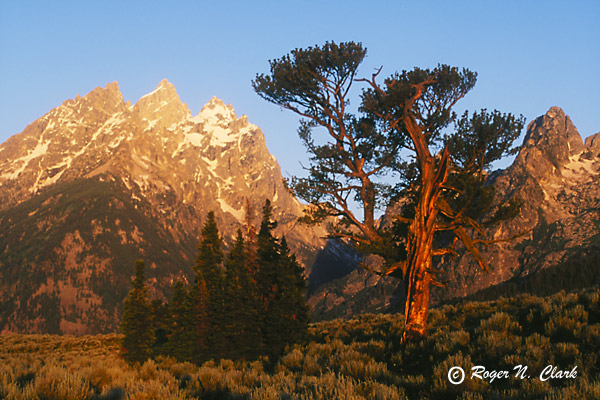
x=97, y=183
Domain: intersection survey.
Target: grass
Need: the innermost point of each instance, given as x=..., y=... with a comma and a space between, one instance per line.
x=360, y=358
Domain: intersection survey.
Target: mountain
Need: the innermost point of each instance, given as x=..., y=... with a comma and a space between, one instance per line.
x=557, y=177
x=97, y=183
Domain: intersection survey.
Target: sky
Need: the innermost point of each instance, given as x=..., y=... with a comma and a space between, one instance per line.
x=529, y=55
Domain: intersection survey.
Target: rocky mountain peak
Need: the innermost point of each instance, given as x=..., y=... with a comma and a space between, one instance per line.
x=593, y=144
x=550, y=141
x=115, y=183
x=162, y=107
x=101, y=100
x=216, y=112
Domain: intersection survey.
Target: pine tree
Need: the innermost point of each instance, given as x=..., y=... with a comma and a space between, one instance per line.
x=161, y=324
x=242, y=331
x=293, y=295
x=136, y=324
x=208, y=296
x=281, y=284
x=199, y=326
x=405, y=131
x=181, y=341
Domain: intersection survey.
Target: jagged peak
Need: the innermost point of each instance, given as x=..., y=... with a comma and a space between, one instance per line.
x=162, y=107
x=551, y=143
x=165, y=88
x=216, y=111
x=593, y=143
x=554, y=131
x=108, y=94
x=108, y=99
x=555, y=111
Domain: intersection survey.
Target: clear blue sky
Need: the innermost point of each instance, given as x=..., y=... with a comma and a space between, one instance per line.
x=530, y=55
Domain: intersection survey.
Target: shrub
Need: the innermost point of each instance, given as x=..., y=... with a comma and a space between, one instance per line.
x=56, y=383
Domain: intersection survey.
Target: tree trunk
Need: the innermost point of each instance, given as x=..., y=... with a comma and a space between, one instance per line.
x=417, y=283
x=417, y=277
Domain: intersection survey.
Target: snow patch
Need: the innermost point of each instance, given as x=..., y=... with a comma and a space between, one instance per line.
x=143, y=182
x=53, y=180
x=159, y=88
x=140, y=161
x=40, y=150
x=577, y=167
x=238, y=214
x=215, y=118
x=212, y=165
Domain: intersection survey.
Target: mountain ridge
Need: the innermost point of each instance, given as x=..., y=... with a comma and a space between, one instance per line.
x=164, y=166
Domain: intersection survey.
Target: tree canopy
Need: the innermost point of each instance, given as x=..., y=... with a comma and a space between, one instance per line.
x=136, y=324
x=405, y=145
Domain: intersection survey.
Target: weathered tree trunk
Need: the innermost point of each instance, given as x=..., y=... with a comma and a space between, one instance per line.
x=417, y=290
x=420, y=246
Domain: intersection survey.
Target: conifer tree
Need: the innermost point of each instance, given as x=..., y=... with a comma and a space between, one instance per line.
x=200, y=321
x=161, y=324
x=136, y=324
x=293, y=295
x=181, y=341
x=208, y=296
x=241, y=305
x=280, y=280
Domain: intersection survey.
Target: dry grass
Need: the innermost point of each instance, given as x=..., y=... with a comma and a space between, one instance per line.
x=356, y=359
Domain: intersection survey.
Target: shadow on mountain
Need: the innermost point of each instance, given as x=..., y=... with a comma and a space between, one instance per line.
x=335, y=261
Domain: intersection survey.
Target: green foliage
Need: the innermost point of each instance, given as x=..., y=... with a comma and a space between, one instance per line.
x=282, y=288
x=356, y=359
x=136, y=324
x=359, y=149
x=242, y=306
x=180, y=343
x=402, y=132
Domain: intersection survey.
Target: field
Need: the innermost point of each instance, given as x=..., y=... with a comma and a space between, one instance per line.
x=359, y=358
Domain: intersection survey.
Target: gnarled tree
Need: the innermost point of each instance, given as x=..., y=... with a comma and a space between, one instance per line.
x=405, y=144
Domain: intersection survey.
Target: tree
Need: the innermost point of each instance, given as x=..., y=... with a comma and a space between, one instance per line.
x=183, y=339
x=402, y=129
x=282, y=287
x=136, y=324
x=208, y=291
x=242, y=307
x=296, y=314
x=161, y=324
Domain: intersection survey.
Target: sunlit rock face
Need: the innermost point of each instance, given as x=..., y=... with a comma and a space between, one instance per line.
x=97, y=183
x=557, y=176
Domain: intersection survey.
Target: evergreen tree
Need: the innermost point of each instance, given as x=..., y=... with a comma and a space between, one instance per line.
x=200, y=321
x=208, y=292
x=161, y=323
x=242, y=308
x=282, y=285
x=136, y=324
x=293, y=295
x=181, y=342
